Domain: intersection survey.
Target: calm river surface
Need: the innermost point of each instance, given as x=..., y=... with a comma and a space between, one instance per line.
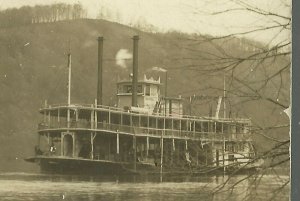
x=27, y=186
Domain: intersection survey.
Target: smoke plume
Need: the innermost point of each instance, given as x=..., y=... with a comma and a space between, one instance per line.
x=122, y=56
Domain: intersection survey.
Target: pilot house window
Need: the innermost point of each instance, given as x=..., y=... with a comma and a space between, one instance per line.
x=147, y=92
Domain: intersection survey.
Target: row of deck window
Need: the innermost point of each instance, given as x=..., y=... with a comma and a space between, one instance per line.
x=82, y=120
x=146, y=89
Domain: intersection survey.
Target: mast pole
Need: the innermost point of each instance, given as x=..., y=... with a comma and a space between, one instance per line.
x=69, y=78
x=224, y=94
x=224, y=105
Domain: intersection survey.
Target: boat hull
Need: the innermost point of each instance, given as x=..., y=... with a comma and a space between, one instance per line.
x=65, y=165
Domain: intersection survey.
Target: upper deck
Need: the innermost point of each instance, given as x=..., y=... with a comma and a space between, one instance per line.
x=99, y=118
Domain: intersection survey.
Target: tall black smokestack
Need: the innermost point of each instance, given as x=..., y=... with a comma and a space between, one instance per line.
x=135, y=70
x=100, y=78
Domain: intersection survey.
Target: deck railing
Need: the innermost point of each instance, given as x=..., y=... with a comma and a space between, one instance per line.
x=117, y=109
x=145, y=131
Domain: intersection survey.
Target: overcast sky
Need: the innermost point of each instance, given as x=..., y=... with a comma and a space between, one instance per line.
x=190, y=16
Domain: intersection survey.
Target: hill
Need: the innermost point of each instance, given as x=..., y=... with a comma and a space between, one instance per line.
x=33, y=68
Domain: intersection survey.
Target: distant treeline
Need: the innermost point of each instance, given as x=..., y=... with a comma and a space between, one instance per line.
x=41, y=13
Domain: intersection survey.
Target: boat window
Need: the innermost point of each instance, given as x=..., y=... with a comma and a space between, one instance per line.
x=205, y=127
x=183, y=125
x=168, y=123
x=127, y=89
x=219, y=127
x=229, y=147
x=240, y=147
x=147, y=93
x=139, y=89
x=231, y=158
x=197, y=126
x=239, y=128
x=144, y=121
x=120, y=89
x=225, y=127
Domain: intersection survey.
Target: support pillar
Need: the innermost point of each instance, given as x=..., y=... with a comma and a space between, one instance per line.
x=224, y=168
x=161, y=154
x=49, y=118
x=68, y=118
x=173, y=144
x=48, y=138
x=118, y=143
x=147, y=147
x=95, y=119
x=92, y=146
x=62, y=144
x=93, y=136
x=92, y=119
x=109, y=116
x=45, y=117
x=74, y=145
x=39, y=140
x=76, y=115
x=186, y=145
x=172, y=150
x=58, y=115
x=134, y=152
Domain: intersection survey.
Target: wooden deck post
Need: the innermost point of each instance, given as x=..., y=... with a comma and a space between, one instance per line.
x=48, y=138
x=76, y=115
x=134, y=152
x=162, y=147
x=49, y=118
x=180, y=126
x=109, y=116
x=121, y=119
x=194, y=128
x=161, y=153
x=186, y=145
x=61, y=144
x=74, y=145
x=224, y=168
x=147, y=147
x=39, y=139
x=92, y=119
x=45, y=117
x=109, y=148
x=197, y=157
x=68, y=118
x=206, y=156
x=58, y=115
x=93, y=136
x=118, y=143
x=173, y=144
x=95, y=119
x=92, y=146
x=148, y=124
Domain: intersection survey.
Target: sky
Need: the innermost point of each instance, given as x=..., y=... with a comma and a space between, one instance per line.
x=189, y=16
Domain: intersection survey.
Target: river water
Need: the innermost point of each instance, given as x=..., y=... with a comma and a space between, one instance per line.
x=29, y=186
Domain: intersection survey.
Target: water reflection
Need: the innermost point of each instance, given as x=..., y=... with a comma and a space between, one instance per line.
x=16, y=186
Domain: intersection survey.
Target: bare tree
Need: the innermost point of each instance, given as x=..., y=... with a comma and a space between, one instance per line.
x=257, y=76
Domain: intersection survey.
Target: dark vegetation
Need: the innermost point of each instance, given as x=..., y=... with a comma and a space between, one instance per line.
x=33, y=60
x=40, y=14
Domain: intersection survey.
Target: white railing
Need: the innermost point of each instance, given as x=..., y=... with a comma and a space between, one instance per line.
x=146, y=131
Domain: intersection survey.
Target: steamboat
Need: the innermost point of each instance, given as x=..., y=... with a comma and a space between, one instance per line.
x=146, y=132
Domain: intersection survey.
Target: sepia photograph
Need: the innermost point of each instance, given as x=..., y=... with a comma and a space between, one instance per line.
x=145, y=100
